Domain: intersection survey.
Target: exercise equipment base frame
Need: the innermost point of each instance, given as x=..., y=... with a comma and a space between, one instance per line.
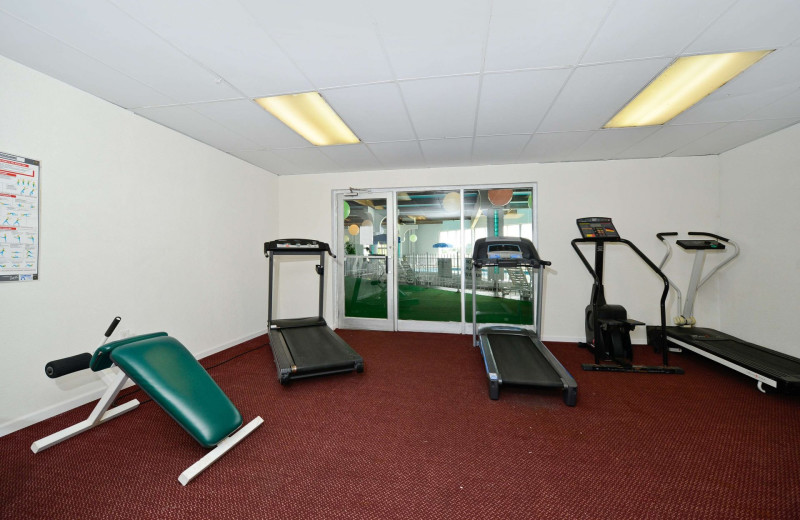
x=526, y=360
x=786, y=383
x=297, y=357
x=101, y=414
x=559, y=378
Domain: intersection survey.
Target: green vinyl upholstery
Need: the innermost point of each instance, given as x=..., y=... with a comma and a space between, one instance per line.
x=167, y=372
x=101, y=359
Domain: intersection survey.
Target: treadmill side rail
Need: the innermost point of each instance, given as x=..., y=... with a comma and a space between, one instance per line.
x=282, y=356
x=544, y=357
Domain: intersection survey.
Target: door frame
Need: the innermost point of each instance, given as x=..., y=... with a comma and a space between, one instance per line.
x=463, y=327
x=388, y=323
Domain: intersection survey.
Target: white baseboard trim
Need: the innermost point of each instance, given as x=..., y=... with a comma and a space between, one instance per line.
x=95, y=394
x=229, y=344
x=563, y=339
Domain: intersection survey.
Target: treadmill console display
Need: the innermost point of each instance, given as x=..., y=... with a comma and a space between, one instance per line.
x=504, y=251
x=597, y=228
x=295, y=245
x=701, y=244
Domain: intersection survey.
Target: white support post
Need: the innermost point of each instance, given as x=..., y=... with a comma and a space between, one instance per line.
x=694, y=283
x=221, y=449
x=99, y=415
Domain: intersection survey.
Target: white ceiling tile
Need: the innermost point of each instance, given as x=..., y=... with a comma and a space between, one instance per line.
x=787, y=106
x=417, y=75
x=248, y=119
x=515, y=102
x=541, y=33
x=772, y=78
x=777, y=69
x=751, y=24
x=654, y=28
x=447, y=152
x=311, y=160
x=498, y=149
x=442, y=107
x=424, y=38
x=373, y=112
x=183, y=119
x=732, y=135
x=28, y=46
x=104, y=32
x=593, y=94
x=333, y=43
x=352, y=157
x=400, y=154
x=724, y=107
x=609, y=143
x=232, y=44
x=667, y=139
x=269, y=161
x=552, y=147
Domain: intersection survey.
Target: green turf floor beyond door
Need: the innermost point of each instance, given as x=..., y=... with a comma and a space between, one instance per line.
x=434, y=304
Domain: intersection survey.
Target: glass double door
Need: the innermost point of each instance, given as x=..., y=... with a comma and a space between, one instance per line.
x=406, y=258
x=366, y=275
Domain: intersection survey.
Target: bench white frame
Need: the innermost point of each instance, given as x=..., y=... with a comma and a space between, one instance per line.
x=102, y=413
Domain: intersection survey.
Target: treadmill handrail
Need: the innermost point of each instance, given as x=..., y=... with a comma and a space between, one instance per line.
x=706, y=234
x=664, y=260
x=717, y=267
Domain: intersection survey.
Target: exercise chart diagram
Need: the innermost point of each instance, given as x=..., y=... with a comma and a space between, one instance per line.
x=19, y=218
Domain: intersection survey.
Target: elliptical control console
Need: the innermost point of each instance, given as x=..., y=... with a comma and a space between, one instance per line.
x=597, y=228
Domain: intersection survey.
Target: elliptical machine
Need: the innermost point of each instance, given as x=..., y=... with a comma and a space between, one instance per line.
x=608, y=326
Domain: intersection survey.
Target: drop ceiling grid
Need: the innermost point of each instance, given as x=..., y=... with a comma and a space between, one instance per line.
x=417, y=80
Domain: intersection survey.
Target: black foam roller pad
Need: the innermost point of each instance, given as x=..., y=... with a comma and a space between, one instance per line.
x=68, y=365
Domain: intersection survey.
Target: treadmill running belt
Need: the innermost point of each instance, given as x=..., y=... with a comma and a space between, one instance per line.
x=318, y=347
x=520, y=362
x=741, y=352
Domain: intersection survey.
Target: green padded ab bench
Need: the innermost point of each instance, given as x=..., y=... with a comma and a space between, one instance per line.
x=171, y=376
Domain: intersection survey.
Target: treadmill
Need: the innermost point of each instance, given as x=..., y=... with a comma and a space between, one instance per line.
x=306, y=347
x=779, y=372
x=516, y=355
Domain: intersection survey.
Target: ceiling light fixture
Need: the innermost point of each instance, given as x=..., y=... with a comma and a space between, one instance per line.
x=681, y=85
x=311, y=116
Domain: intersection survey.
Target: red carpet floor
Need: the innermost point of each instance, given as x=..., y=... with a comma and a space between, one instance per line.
x=416, y=436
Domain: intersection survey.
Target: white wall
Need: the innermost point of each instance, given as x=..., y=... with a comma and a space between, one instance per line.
x=642, y=196
x=137, y=221
x=760, y=202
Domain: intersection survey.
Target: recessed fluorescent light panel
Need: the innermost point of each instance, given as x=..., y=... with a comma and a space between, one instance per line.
x=681, y=85
x=310, y=116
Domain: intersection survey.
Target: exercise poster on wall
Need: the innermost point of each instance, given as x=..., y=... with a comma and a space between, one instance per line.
x=19, y=218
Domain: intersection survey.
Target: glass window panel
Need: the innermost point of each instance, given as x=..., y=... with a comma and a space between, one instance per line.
x=504, y=295
x=365, y=290
x=428, y=255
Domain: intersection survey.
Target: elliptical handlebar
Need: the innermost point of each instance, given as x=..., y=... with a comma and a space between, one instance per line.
x=661, y=236
x=650, y=264
x=586, y=264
